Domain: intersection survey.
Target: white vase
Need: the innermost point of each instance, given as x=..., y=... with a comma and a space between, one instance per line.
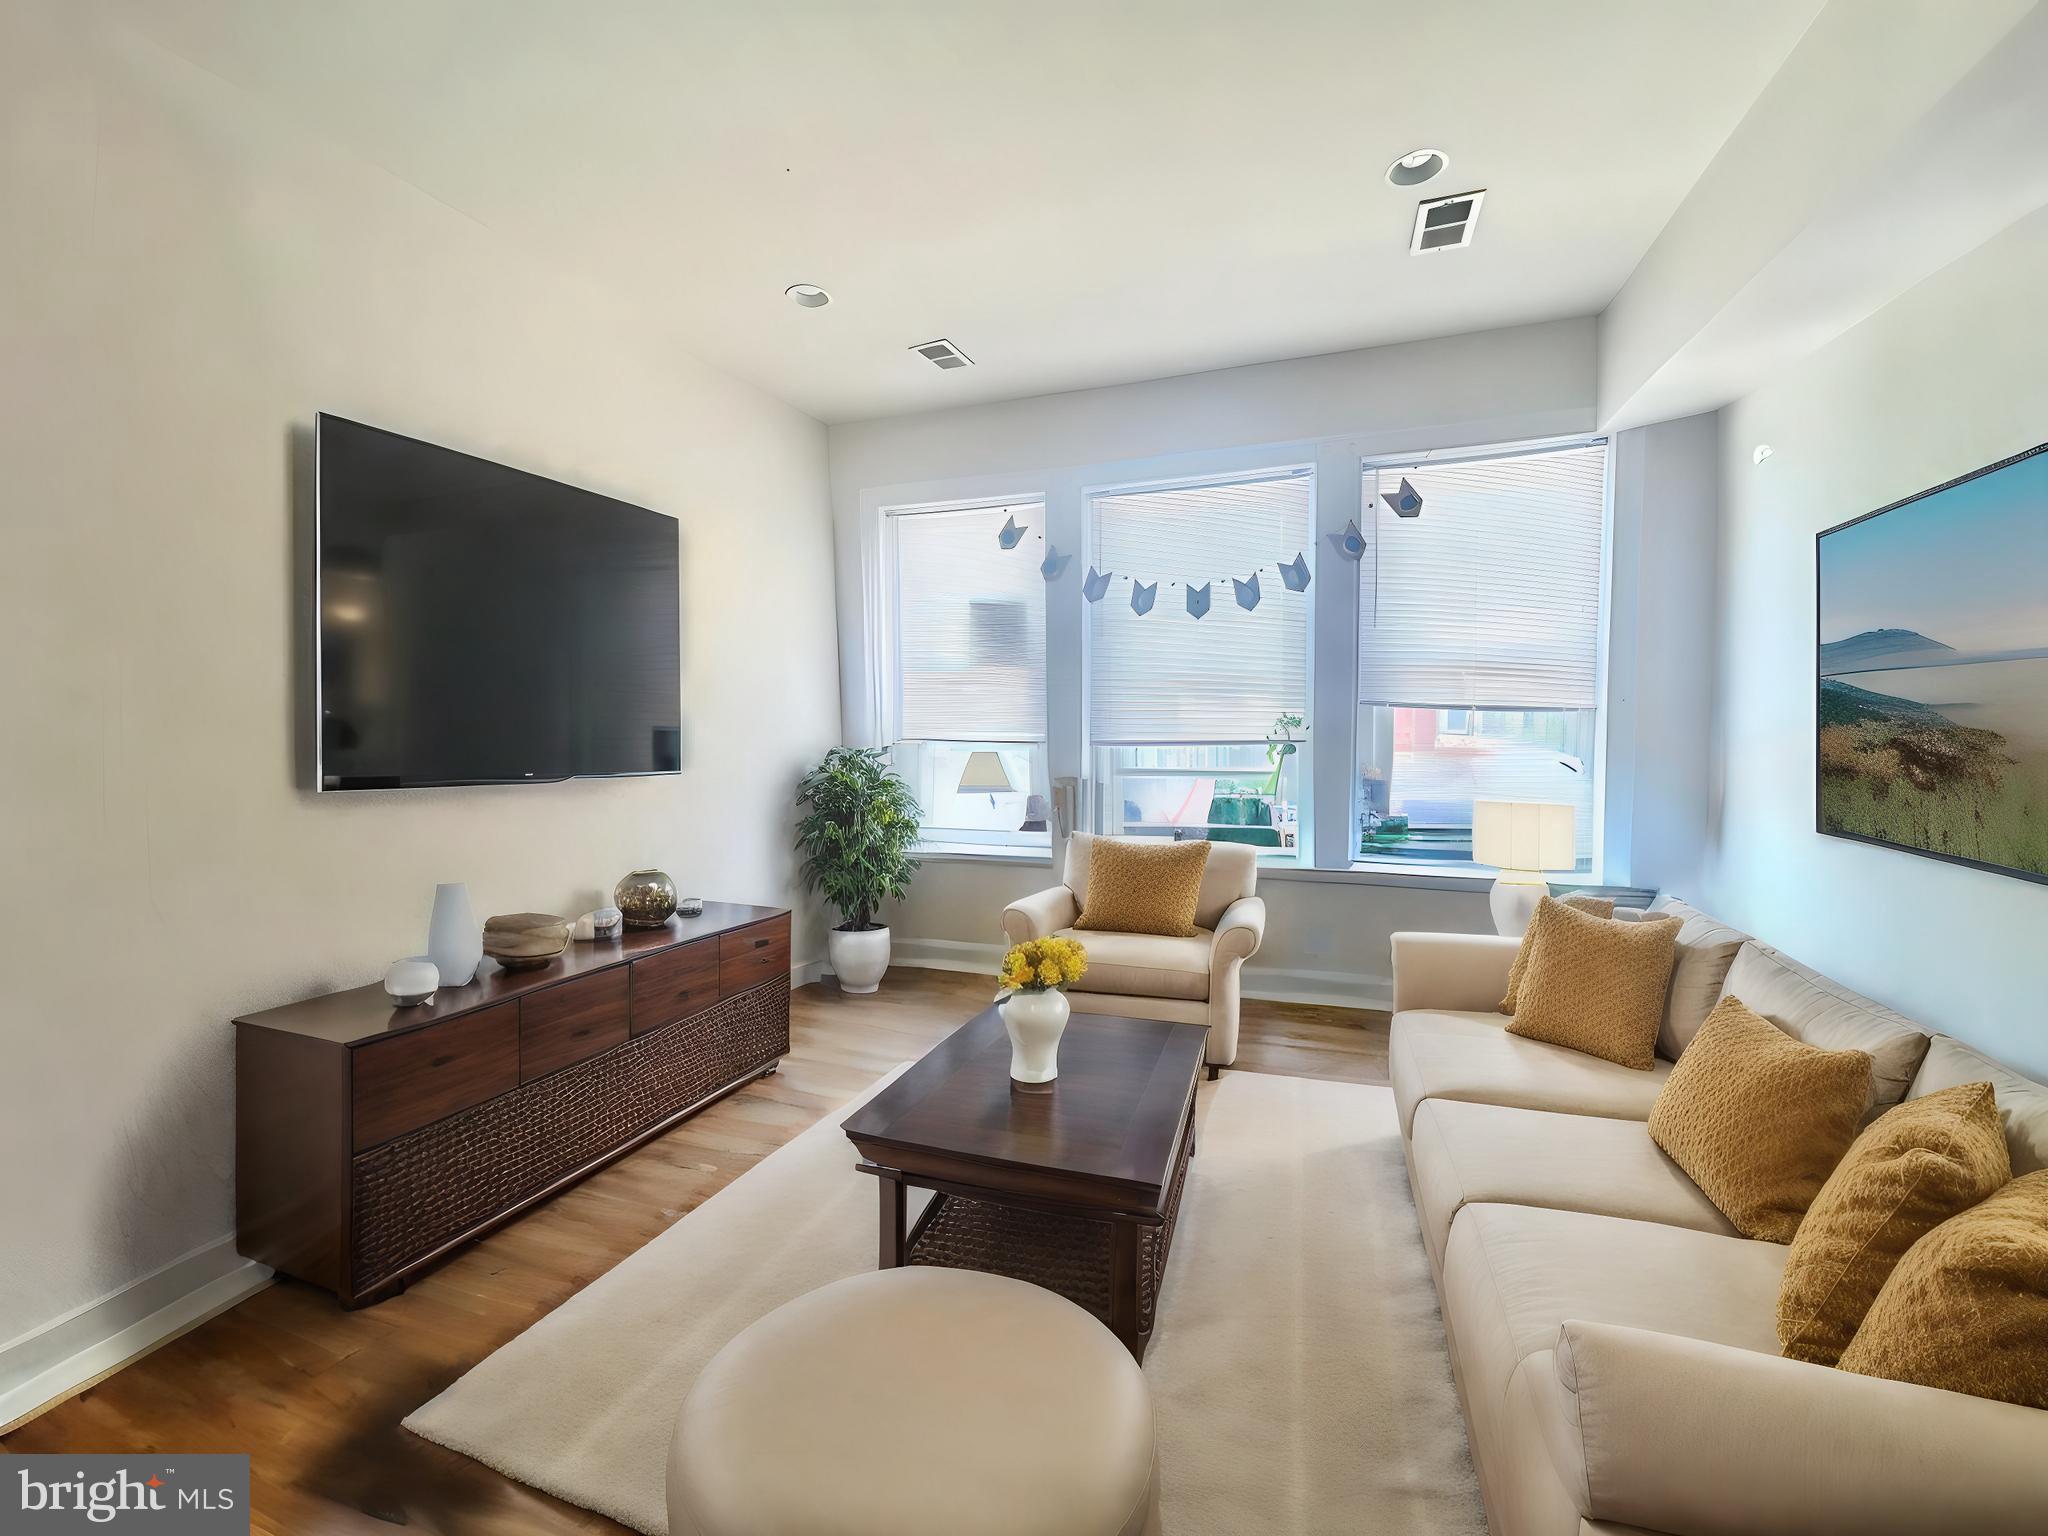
x=1035, y=1020
x=455, y=939
x=860, y=957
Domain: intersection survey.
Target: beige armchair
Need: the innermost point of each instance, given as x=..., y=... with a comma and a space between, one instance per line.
x=1152, y=976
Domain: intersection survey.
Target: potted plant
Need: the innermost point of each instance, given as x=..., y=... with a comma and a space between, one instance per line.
x=1034, y=1007
x=857, y=825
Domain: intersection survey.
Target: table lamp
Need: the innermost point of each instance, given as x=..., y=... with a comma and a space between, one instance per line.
x=1521, y=839
x=984, y=775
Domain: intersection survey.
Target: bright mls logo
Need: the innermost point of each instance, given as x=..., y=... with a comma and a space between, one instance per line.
x=168, y=1495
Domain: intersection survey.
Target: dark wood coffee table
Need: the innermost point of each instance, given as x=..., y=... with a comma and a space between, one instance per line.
x=1075, y=1190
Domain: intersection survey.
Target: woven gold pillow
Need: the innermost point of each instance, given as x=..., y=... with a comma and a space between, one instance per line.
x=1591, y=984
x=1915, y=1166
x=1967, y=1307
x=1597, y=906
x=1144, y=887
x=1757, y=1119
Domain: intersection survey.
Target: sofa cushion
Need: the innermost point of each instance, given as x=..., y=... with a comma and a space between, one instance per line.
x=1758, y=1119
x=1591, y=984
x=1144, y=964
x=1915, y=1166
x=1706, y=948
x=1810, y=1007
x=1470, y=1154
x=1513, y=1274
x=1471, y=1057
x=2022, y=1102
x=1966, y=1309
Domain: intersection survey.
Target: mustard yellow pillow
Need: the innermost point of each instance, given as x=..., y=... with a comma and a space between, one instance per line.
x=1915, y=1166
x=1597, y=906
x=1138, y=887
x=1590, y=984
x=1757, y=1119
x=1967, y=1308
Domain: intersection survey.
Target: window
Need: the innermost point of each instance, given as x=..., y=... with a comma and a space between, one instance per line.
x=969, y=701
x=1195, y=724
x=1478, y=648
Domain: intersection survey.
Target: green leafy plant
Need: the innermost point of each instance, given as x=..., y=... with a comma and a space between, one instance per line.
x=1280, y=746
x=858, y=824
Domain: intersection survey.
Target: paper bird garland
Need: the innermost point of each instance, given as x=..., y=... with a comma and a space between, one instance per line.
x=1350, y=543
x=1406, y=502
x=1095, y=583
x=1198, y=599
x=1247, y=592
x=1142, y=595
x=1011, y=535
x=1054, y=565
x=1295, y=574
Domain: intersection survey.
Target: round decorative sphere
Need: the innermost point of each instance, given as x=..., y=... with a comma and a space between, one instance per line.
x=647, y=897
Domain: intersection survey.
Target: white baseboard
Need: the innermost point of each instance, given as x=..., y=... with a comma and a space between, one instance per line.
x=804, y=972
x=50, y=1363
x=1336, y=989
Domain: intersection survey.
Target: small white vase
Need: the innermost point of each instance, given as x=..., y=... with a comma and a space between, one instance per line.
x=1035, y=1020
x=860, y=957
x=455, y=939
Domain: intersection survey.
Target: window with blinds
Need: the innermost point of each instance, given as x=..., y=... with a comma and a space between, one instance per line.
x=1166, y=676
x=970, y=626
x=970, y=674
x=1479, y=646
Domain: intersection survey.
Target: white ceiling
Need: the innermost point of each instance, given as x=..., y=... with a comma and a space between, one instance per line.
x=1076, y=193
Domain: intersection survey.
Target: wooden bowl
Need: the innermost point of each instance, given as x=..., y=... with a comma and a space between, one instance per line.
x=523, y=941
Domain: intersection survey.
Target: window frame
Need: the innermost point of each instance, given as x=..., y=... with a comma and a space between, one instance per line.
x=1328, y=763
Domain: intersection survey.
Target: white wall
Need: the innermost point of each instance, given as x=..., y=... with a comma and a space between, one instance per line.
x=1947, y=378
x=184, y=280
x=1325, y=939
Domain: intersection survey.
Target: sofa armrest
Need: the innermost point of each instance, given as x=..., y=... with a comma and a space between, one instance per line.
x=1460, y=972
x=1039, y=914
x=1239, y=932
x=1700, y=1439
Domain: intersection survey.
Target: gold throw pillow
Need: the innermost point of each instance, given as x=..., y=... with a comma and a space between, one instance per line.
x=1136, y=887
x=1598, y=906
x=1915, y=1166
x=1591, y=984
x=1966, y=1309
x=1757, y=1119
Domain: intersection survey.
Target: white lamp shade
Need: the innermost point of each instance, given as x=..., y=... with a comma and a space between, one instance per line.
x=984, y=775
x=1516, y=834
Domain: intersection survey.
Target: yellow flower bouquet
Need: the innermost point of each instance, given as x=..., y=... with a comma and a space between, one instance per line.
x=1040, y=965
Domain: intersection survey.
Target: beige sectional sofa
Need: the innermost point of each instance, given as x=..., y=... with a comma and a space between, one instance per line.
x=1614, y=1340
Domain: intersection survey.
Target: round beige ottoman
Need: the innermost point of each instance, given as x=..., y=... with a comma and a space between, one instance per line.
x=914, y=1401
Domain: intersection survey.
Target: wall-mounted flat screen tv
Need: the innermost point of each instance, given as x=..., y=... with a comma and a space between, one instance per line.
x=1933, y=706
x=481, y=625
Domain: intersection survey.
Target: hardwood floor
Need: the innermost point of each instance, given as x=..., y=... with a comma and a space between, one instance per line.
x=314, y=1394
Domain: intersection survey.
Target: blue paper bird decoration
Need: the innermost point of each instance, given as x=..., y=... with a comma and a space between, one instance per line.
x=1012, y=535
x=1095, y=583
x=1198, y=599
x=1142, y=595
x=1350, y=543
x=1295, y=574
x=1406, y=502
x=1247, y=592
x=1054, y=565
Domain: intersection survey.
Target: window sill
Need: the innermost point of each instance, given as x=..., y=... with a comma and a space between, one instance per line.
x=967, y=853
x=1469, y=883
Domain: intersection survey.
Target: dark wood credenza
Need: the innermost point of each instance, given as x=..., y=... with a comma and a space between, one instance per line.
x=370, y=1140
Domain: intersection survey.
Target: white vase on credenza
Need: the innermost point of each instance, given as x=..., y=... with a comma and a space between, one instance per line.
x=455, y=940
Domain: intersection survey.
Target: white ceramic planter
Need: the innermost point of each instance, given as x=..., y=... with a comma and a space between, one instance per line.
x=859, y=957
x=1035, y=1020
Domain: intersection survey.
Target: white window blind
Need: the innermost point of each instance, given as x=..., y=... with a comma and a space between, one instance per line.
x=1166, y=676
x=970, y=626
x=1490, y=598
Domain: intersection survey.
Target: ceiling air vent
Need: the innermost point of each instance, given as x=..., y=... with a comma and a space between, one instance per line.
x=943, y=354
x=1446, y=223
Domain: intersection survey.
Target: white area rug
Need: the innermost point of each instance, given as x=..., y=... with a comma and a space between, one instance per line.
x=1299, y=1372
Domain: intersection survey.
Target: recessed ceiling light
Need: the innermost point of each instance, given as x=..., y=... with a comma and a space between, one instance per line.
x=808, y=295
x=1416, y=167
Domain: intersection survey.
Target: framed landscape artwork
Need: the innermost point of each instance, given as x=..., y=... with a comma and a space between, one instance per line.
x=1933, y=672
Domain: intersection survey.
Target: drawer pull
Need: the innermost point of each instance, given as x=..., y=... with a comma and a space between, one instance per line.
x=760, y=943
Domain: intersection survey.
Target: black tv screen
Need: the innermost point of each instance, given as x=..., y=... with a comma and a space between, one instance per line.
x=482, y=625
